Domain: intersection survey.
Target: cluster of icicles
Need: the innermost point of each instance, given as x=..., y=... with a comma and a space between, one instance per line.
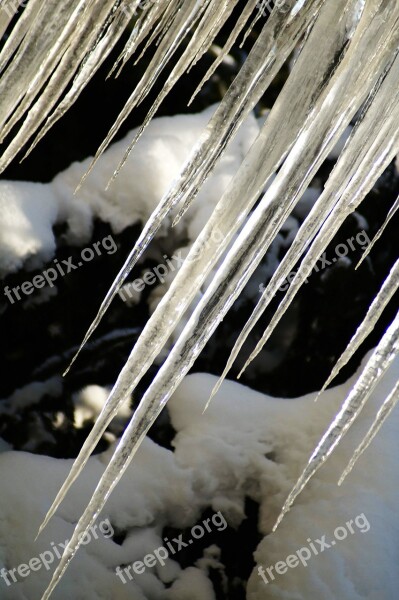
x=55, y=47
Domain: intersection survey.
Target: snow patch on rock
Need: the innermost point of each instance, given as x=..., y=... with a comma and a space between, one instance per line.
x=246, y=444
x=30, y=210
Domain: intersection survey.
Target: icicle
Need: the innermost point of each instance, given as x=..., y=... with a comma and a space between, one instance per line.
x=6, y=15
x=165, y=17
x=91, y=65
x=348, y=164
x=213, y=306
x=214, y=19
x=225, y=122
x=203, y=313
x=382, y=415
x=205, y=319
x=161, y=12
x=18, y=31
x=376, y=367
x=379, y=232
x=73, y=43
x=128, y=368
x=146, y=236
x=368, y=169
x=243, y=191
x=250, y=28
x=186, y=19
x=43, y=32
x=246, y=185
x=243, y=18
x=389, y=287
x=262, y=160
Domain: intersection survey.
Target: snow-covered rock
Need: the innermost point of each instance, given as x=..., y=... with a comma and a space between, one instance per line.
x=235, y=437
x=246, y=444
x=30, y=210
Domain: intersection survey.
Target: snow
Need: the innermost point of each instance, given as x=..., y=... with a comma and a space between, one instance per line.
x=30, y=210
x=192, y=584
x=246, y=444
x=30, y=394
x=355, y=570
x=89, y=402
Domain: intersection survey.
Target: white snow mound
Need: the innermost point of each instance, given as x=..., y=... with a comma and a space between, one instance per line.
x=30, y=210
x=246, y=444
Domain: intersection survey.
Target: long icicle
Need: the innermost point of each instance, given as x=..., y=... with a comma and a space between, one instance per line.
x=360, y=184
x=42, y=35
x=226, y=215
x=379, y=232
x=242, y=20
x=228, y=116
x=84, y=35
x=92, y=63
x=262, y=160
x=19, y=31
x=349, y=162
x=203, y=322
x=157, y=21
x=377, y=365
x=388, y=405
x=389, y=287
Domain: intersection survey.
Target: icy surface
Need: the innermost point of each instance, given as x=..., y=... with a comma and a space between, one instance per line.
x=220, y=457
